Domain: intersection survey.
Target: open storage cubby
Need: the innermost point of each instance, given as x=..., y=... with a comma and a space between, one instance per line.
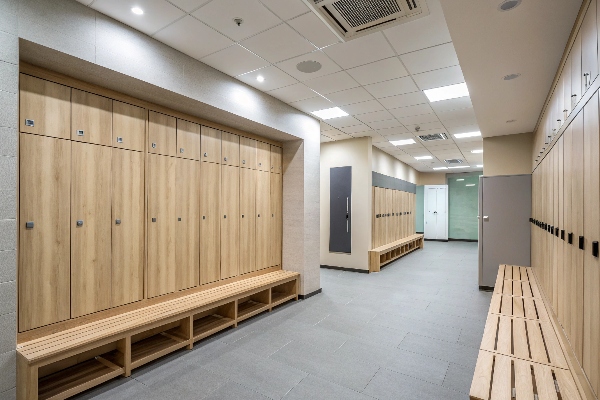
x=253, y=304
x=155, y=343
x=214, y=320
x=385, y=254
x=284, y=292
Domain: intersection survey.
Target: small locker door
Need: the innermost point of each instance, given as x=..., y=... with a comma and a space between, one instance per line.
x=187, y=257
x=576, y=75
x=127, y=226
x=230, y=221
x=44, y=238
x=91, y=118
x=188, y=140
x=44, y=107
x=162, y=134
x=390, y=220
x=276, y=230
x=247, y=153
x=161, y=224
x=129, y=126
x=589, y=47
x=210, y=222
x=566, y=80
x=91, y=276
x=248, y=220
x=340, y=210
x=276, y=159
x=230, y=149
x=210, y=144
x=263, y=156
x=374, y=217
x=262, y=219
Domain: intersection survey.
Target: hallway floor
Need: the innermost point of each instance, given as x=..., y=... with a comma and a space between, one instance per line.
x=411, y=331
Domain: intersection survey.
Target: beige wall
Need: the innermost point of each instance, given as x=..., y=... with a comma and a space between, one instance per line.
x=432, y=178
x=507, y=155
x=355, y=153
x=388, y=165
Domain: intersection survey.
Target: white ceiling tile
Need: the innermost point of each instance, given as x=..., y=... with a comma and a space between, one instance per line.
x=399, y=136
x=278, y=44
x=439, y=77
x=375, y=116
x=384, y=70
x=459, y=114
x=389, y=123
x=311, y=27
x=157, y=13
x=235, y=60
x=183, y=36
x=399, y=130
x=335, y=82
x=392, y=88
x=404, y=100
x=274, y=78
x=342, y=122
x=452, y=104
x=463, y=129
x=220, y=13
x=286, y=9
x=327, y=66
x=360, y=51
x=363, y=108
x=381, y=141
x=313, y=104
x=291, y=93
x=325, y=126
x=425, y=127
x=411, y=111
x=325, y=139
x=460, y=122
x=415, y=119
x=352, y=129
x=437, y=57
x=350, y=96
x=188, y=5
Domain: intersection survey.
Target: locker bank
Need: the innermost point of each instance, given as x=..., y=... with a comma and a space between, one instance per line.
x=292, y=199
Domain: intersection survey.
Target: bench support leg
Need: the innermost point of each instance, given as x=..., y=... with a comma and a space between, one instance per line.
x=124, y=349
x=27, y=379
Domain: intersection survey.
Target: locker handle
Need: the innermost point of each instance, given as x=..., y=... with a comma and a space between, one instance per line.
x=224, y=216
x=29, y=122
x=153, y=219
x=242, y=215
x=205, y=154
x=556, y=231
x=570, y=238
x=79, y=222
x=80, y=132
x=243, y=161
x=552, y=230
x=581, y=243
x=153, y=145
x=258, y=215
x=595, y=249
x=586, y=75
x=117, y=221
x=224, y=158
x=179, y=219
x=181, y=150
x=29, y=225
x=119, y=139
x=203, y=217
x=562, y=234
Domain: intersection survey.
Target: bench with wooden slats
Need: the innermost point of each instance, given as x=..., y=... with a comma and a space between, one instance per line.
x=520, y=356
x=385, y=254
x=65, y=363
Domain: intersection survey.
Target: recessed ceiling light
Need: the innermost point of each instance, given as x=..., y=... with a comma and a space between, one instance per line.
x=308, y=67
x=510, y=77
x=479, y=166
x=470, y=184
x=508, y=5
x=459, y=180
x=467, y=134
x=423, y=158
x=260, y=78
x=402, y=142
x=476, y=151
x=137, y=10
x=447, y=92
x=328, y=113
x=460, y=166
x=439, y=168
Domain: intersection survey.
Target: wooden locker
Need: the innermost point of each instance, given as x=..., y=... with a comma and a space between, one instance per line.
x=374, y=217
x=210, y=144
x=248, y=220
x=162, y=134
x=389, y=229
x=383, y=218
x=561, y=223
x=589, y=47
x=230, y=221
x=566, y=80
x=263, y=156
x=128, y=238
x=230, y=149
x=161, y=224
x=188, y=140
x=397, y=216
x=44, y=248
x=247, y=153
x=577, y=226
x=210, y=222
x=129, y=126
x=276, y=159
x=576, y=74
x=263, y=209
x=91, y=118
x=187, y=199
x=591, y=233
x=276, y=231
x=91, y=217
x=44, y=107
x=556, y=239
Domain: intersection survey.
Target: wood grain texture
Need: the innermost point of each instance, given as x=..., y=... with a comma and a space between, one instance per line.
x=263, y=209
x=187, y=225
x=210, y=223
x=276, y=229
x=230, y=149
x=162, y=134
x=230, y=221
x=210, y=144
x=263, y=156
x=276, y=159
x=91, y=114
x=188, y=140
x=129, y=126
x=577, y=221
x=248, y=220
x=247, y=153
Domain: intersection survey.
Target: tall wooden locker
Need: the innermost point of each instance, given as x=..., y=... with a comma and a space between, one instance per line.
x=276, y=231
x=576, y=74
x=129, y=126
x=389, y=202
x=162, y=134
x=44, y=238
x=91, y=277
x=91, y=118
x=44, y=107
x=210, y=222
x=374, y=217
x=382, y=218
x=187, y=227
x=263, y=210
x=276, y=159
x=561, y=223
x=397, y=217
x=230, y=221
x=161, y=224
x=210, y=144
x=128, y=238
x=248, y=220
x=589, y=47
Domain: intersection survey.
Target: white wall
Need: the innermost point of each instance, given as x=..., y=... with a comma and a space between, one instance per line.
x=388, y=165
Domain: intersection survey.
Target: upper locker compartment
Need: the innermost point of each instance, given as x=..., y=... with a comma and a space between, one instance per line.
x=210, y=145
x=91, y=118
x=45, y=107
x=276, y=159
x=129, y=126
x=247, y=153
x=263, y=156
x=230, y=149
x=188, y=140
x=162, y=134
x=589, y=47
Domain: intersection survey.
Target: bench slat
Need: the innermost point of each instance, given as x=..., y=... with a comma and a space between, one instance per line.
x=521, y=307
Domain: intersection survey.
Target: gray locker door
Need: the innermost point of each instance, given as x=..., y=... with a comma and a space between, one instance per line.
x=340, y=210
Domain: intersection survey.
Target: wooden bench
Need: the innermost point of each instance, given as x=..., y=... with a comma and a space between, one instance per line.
x=65, y=363
x=520, y=356
x=385, y=254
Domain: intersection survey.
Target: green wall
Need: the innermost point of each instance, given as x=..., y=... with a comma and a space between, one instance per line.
x=463, y=206
x=420, y=212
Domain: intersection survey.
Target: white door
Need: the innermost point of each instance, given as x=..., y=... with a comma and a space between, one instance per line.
x=436, y=212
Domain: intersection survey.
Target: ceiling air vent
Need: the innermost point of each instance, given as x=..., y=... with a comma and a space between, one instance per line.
x=350, y=19
x=434, y=136
x=454, y=161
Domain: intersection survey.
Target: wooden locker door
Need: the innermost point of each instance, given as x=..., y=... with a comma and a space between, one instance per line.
x=210, y=222
x=162, y=134
x=263, y=209
x=591, y=232
x=188, y=140
x=263, y=156
x=230, y=149
x=555, y=238
x=248, y=220
x=589, y=47
x=210, y=144
x=247, y=153
x=374, y=217
x=161, y=224
x=91, y=276
x=44, y=107
x=379, y=220
x=397, y=209
x=187, y=199
x=276, y=231
x=561, y=223
x=389, y=205
x=230, y=221
x=44, y=249
x=568, y=226
x=129, y=126
x=276, y=159
x=576, y=74
x=91, y=118
x=128, y=238
x=566, y=79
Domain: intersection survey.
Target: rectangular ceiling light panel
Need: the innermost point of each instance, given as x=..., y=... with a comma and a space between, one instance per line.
x=329, y=113
x=447, y=92
x=467, y=134
x=402, y=142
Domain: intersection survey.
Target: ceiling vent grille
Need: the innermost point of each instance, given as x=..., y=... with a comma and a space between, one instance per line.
x=350, y=19
x=454, y=161
x=432, y=137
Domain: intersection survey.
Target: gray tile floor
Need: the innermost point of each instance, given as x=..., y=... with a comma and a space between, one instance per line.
x=411, y=331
